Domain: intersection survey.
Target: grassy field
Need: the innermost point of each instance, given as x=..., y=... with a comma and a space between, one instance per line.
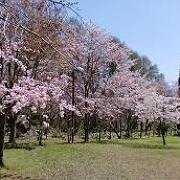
x=119, y=159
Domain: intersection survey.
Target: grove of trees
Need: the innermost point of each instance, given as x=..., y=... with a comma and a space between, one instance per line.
x=84, y=80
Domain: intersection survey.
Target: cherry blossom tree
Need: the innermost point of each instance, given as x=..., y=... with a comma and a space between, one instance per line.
x=49, y=61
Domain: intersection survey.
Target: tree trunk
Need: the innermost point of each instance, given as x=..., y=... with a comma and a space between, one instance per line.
x=114, y=129
x=99, y=135
x=86, y=128
x=128, y=129
x=116, y=125
x=120, y=129
x=40, y=137
x=110, y=131
x=12, y=125
x=40, y=130
x=73, y=103
x=163, y=137
x=162, y=132
x=153, y=131
x=146, y=128
x=141, y=129
x=2, y=134
x=86, y=117
x=68, y=130
x=99, y=129
x=129, y=121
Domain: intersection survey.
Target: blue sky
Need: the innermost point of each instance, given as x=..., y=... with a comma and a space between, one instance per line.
x=150, y=27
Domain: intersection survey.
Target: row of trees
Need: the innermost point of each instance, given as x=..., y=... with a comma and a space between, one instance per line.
x=76, y=73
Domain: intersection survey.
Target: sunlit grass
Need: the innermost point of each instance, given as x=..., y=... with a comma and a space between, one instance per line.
x=143, y=158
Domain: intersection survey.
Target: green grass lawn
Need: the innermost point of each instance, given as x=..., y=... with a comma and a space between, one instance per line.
x=140, y=159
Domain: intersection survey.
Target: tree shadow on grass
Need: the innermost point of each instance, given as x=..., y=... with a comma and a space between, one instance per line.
x=6, y=176
x=131, y=143
x=141, y=145
x=66, y=143
x=26, y=146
